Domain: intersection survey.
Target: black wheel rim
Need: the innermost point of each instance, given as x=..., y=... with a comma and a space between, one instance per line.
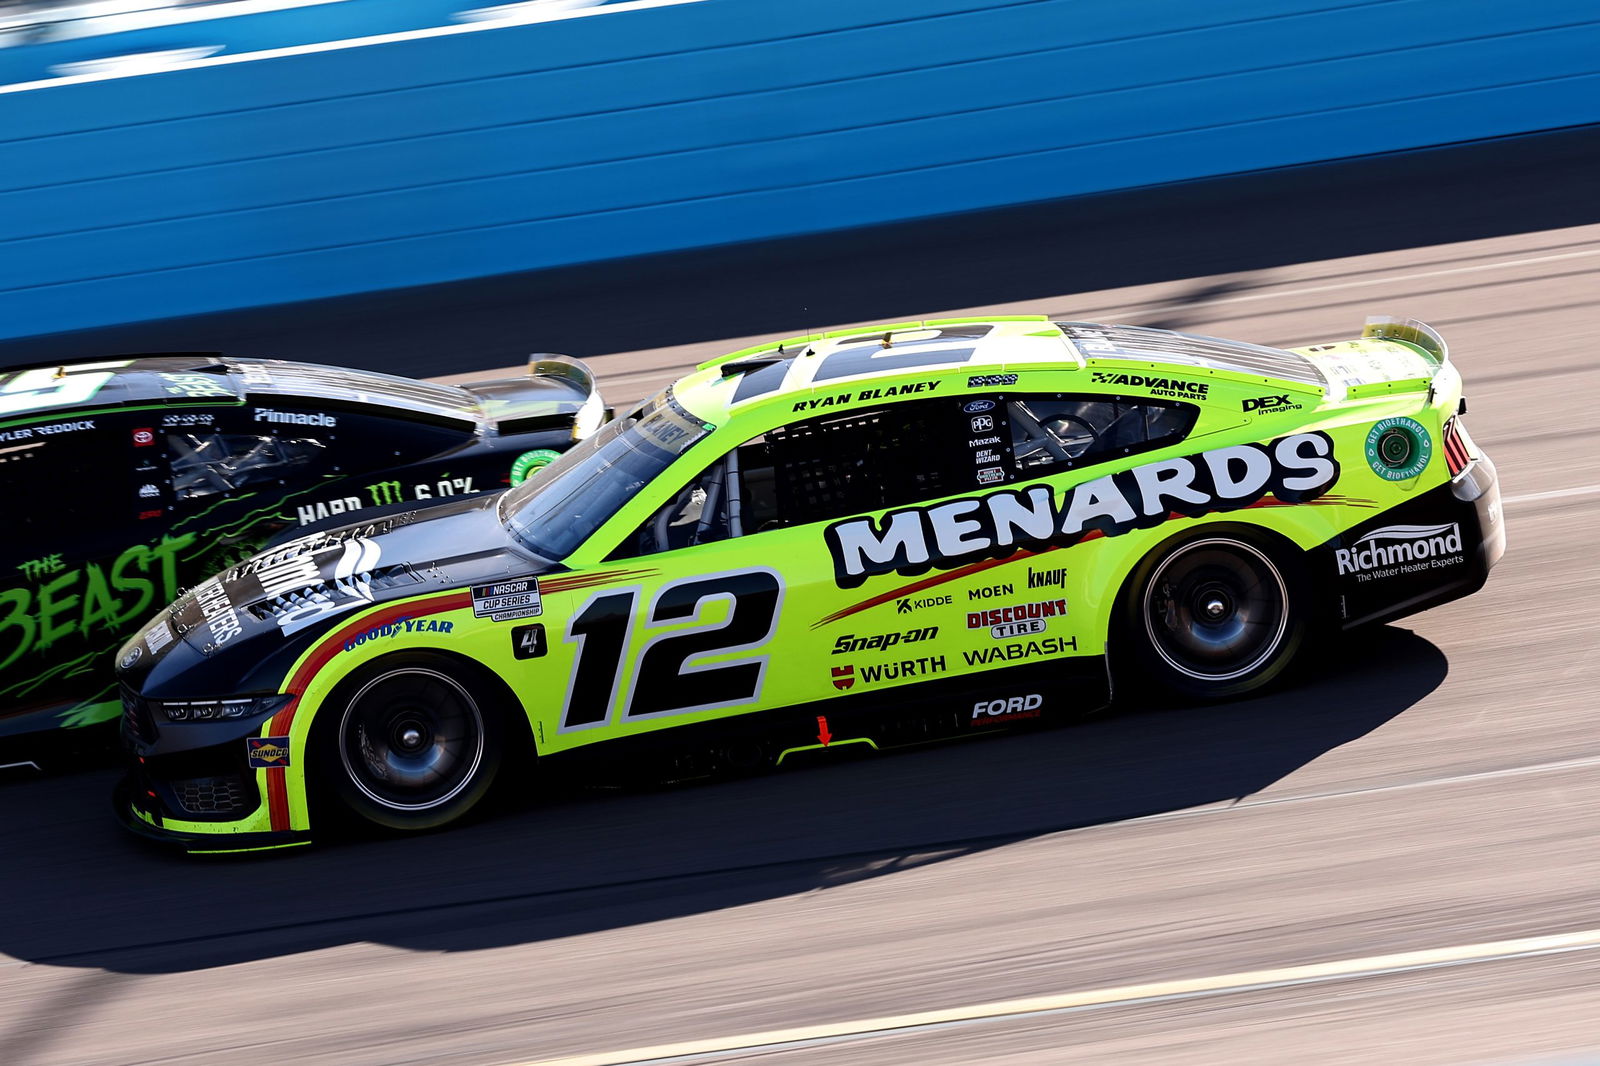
x=411, y=739
x=1216, y=610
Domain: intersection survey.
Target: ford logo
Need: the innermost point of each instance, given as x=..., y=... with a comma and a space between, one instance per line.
x=132, y=657
x=975, y=406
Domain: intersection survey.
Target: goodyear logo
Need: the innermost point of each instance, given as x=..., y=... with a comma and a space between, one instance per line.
x=267, y=752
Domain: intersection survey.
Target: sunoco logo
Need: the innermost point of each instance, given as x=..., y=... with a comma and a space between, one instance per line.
x=1401, y=550
x=1157, y=386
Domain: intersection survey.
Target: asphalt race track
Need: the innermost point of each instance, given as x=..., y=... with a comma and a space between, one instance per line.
x=1165, y=886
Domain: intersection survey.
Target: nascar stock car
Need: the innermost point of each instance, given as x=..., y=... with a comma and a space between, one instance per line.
x=850, y=542
x=132, y=478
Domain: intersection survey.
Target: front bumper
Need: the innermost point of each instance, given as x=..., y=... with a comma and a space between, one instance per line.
x=142, y=803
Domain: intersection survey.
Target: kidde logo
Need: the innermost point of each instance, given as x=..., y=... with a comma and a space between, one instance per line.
x=1013, y=709
x=1407, y=548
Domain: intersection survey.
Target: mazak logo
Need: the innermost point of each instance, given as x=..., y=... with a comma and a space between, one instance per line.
x=844, y=677
x=1014, y=709
x=883, y=641
x=983, y=424
x=1401, y=550
x=1158, y=386
x=295, y=418
x=908, y=605
x=913, y=540
x=1261, y=404
x=143, y=437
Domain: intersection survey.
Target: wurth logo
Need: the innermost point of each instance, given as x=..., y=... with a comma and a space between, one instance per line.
x=844, y=677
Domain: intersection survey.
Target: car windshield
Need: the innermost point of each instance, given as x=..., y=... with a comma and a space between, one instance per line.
x=553, y=513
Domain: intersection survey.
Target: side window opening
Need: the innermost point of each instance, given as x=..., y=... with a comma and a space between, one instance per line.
x=205, y=462
x=1062, y=432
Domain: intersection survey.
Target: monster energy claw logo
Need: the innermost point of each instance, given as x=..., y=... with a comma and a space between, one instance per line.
x=385, y=492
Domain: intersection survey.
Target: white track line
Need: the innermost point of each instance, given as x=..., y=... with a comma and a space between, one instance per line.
x=1553, y=494
x=1122, y=995
x=1390, y=279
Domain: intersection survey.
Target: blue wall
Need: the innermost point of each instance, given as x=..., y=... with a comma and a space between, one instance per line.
x=665, y=128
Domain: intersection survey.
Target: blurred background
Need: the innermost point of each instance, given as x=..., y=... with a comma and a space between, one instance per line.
x=439, y=188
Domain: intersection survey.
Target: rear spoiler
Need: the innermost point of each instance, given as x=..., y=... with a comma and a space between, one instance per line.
x=1417, y=334
x=594, y=413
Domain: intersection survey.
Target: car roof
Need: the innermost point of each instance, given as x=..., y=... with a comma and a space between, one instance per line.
x=796, y=366
x=208, y=377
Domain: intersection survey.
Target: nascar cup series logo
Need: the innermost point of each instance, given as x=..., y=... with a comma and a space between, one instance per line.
x=1400, y=550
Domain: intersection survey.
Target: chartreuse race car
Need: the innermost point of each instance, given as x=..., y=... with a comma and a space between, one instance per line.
x=838, y=543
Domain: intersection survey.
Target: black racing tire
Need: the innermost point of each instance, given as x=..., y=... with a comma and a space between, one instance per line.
x=409, y=743
x=1212, y=616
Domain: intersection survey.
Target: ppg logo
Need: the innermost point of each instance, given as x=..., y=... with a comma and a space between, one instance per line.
x=983, y=424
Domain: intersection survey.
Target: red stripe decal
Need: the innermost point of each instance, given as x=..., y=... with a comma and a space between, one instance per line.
x=277, y=786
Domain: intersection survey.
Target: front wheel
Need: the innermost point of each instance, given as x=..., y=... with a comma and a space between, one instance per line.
x=413, y=746
x=1214, y=617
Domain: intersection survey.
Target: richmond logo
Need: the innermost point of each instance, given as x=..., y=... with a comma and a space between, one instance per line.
x=1401, y=550
x=914, y=540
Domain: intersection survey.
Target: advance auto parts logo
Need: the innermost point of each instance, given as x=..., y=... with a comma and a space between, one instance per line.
x=1401, y=550
x=1174, y=387
x=1398, y=449
x=914, y=540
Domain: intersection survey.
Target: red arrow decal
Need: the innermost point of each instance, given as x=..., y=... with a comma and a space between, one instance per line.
x=822, y=730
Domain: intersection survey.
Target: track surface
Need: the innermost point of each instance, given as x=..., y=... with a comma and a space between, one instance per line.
x=1437, y=784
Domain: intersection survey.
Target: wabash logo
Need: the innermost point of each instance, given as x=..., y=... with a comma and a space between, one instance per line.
x=914, y=540
x=1265, y=404
x=844, y=677
x=1157, y=386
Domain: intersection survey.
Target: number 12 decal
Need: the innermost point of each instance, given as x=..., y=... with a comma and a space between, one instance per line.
x=669, y=677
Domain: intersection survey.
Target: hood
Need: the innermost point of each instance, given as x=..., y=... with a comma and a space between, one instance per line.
x=240, y=630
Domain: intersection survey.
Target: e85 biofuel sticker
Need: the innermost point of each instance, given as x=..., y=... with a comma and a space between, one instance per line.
x=1398, y=449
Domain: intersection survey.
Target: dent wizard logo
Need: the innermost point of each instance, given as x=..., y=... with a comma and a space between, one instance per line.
x=267, y=752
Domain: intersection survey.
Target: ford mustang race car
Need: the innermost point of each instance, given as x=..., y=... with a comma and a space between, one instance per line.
x=132, y=478
x=846, y=542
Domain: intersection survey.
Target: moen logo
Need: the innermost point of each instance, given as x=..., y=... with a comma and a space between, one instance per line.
x=1405, y=549
x=913, y=540
x=1281, y=402
x=844, y=677
x=267, y=752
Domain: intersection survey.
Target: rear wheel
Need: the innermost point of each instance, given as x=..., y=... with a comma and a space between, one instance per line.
x=413, y=746
x=1214, y=617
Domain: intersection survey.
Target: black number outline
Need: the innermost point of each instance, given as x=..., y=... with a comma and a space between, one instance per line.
x=685, y=669
x=615, y=709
